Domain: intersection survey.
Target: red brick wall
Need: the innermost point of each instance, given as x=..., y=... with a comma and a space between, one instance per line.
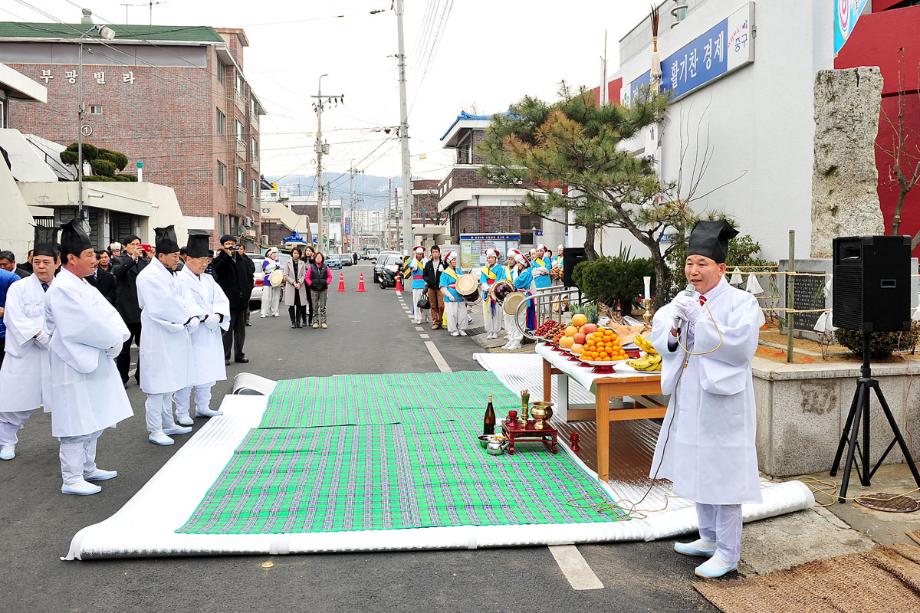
x=167, y=117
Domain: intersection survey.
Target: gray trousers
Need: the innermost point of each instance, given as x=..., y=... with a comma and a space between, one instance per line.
x=319, y=306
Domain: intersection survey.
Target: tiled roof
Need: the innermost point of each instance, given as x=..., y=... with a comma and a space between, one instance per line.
x=202, y=34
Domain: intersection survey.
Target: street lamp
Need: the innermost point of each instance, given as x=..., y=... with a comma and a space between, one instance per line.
x=96, y=31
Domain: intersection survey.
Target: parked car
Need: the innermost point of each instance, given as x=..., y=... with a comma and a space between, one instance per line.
x=334, y=260
x=257, y=259
x=378, y=263
x=347, y=259
x=371, y=254
x=390, y=266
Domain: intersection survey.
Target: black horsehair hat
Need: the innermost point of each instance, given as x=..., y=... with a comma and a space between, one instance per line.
x=166, y=241
x=74, y=239
x=198, y=246
x=710, y=239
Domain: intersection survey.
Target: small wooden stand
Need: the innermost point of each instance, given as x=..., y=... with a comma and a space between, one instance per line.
x=527, y=433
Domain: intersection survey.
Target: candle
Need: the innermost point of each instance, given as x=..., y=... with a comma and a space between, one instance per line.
x=648, y=287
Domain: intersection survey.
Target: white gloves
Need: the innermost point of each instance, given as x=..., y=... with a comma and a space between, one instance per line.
x=113, y=351
x=540, y=272
x=212, y=321
x=688, y=307
x=42, y=339
x=192, y=324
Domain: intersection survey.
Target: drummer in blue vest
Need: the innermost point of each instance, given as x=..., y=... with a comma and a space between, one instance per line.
x=521, y=277
x=454, y=304
x=490, y=274
x=540, y=268
x=419, y=289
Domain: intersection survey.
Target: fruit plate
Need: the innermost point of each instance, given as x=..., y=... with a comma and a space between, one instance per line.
x=603, y=368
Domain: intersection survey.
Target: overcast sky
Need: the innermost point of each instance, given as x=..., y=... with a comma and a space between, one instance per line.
x=463, y=55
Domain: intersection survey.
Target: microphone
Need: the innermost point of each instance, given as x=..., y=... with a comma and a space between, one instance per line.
x=678, y=321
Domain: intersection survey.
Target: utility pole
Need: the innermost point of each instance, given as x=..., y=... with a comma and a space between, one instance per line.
x=321, y=148
x=389, y=243
x=329, y=223
x=404, y=132
x=352, y=171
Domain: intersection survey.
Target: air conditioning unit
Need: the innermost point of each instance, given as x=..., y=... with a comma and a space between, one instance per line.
x=265, y=240
x=247, y=222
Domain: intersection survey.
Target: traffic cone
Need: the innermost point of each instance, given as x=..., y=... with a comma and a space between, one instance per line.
x=361, y=282
x=341, y=282
x=399, y=287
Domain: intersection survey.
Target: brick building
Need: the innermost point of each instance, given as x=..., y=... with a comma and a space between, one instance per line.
x=472, y=204
x=174, y=97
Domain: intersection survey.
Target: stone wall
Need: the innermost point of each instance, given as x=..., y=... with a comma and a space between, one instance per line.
x=802, y=408
x=844, y=197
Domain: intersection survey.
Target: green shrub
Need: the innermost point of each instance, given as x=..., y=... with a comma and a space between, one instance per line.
x=614, y=280
x=103, y=167
x=881, y=344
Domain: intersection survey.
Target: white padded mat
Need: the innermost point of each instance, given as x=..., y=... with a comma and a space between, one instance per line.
x=146, y=526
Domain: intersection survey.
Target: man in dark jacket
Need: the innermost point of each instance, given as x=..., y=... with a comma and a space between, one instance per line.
x=126, y=267
x=8, y=262
x=234, y=271
x=102, y=279
x=432, y=275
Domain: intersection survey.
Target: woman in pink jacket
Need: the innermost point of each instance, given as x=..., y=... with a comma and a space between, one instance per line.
x=319, y=278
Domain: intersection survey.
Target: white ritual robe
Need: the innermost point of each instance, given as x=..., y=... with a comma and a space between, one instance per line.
x=25, y=366
x=166, y=346
x=706, y=445
x=207, y=364
x=85, y=392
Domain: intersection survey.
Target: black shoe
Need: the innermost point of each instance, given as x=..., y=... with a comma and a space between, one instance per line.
x=293, y=325
x=243, y=360
x=226, y=361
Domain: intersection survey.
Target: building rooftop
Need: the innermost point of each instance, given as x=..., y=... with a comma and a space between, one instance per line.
x=123, y=32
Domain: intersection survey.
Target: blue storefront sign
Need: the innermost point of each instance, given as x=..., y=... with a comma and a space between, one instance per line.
x=723, y=48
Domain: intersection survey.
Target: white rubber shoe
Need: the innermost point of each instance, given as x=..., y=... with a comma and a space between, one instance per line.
x=185, y=420
x=159, y=438
x=100, y=475
x=177, y=430
x=698, y=548
x=80, y=488
x=7, y=452
x=715, y=567
x=207, y=413
x=455, y=334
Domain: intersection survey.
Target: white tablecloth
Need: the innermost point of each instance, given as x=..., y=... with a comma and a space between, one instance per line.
x=583, y=375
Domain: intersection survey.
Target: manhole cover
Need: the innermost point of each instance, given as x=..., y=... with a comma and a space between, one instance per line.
x=890, y=503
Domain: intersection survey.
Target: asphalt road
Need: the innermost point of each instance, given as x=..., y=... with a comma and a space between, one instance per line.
x=368, y=333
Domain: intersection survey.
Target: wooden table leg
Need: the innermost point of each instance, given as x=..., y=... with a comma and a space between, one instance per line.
x=602, y=417
x=547, y=381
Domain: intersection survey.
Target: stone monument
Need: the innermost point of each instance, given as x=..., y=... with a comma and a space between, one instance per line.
x=844, y=185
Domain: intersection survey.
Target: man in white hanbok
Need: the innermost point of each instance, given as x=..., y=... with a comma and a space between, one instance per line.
x=168, y=319
x=27, y=337
x=706, y=446
x=84, y=390
x=207, y=363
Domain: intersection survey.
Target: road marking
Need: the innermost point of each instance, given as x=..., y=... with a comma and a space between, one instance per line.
x=418, y=328
x=437, y=357
x=575, y=568
x=423, y=335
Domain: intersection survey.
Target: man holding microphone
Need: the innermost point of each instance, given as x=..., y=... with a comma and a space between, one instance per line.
x=706, y=446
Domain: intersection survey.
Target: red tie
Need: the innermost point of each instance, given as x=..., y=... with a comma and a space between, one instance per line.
x=702, y=300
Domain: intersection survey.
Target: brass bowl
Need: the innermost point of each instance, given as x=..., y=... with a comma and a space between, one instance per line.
x=546, y=406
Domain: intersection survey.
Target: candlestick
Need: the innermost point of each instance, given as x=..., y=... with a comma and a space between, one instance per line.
x=647, y=316
x=648, y=287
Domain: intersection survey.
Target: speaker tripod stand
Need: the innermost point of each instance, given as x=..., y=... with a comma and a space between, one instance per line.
x=859, y=411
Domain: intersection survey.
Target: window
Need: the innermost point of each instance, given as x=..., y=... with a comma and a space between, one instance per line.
x=255, y=149
x=221, y=173
x=222, y=223
x=221, y=122
x=95, y=109
x=239, y=85
x=255, y=188
x=240, y=179
x=239, y=133
x=221, y=70
x=252, y=106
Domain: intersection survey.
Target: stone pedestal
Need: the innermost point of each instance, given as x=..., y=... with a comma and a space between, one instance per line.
x=802, y=408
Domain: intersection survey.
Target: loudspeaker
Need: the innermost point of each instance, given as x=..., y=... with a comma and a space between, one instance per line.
x=570, y=258
x=872, y=283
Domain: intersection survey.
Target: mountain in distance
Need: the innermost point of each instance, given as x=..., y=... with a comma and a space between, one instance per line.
x=371, y=191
